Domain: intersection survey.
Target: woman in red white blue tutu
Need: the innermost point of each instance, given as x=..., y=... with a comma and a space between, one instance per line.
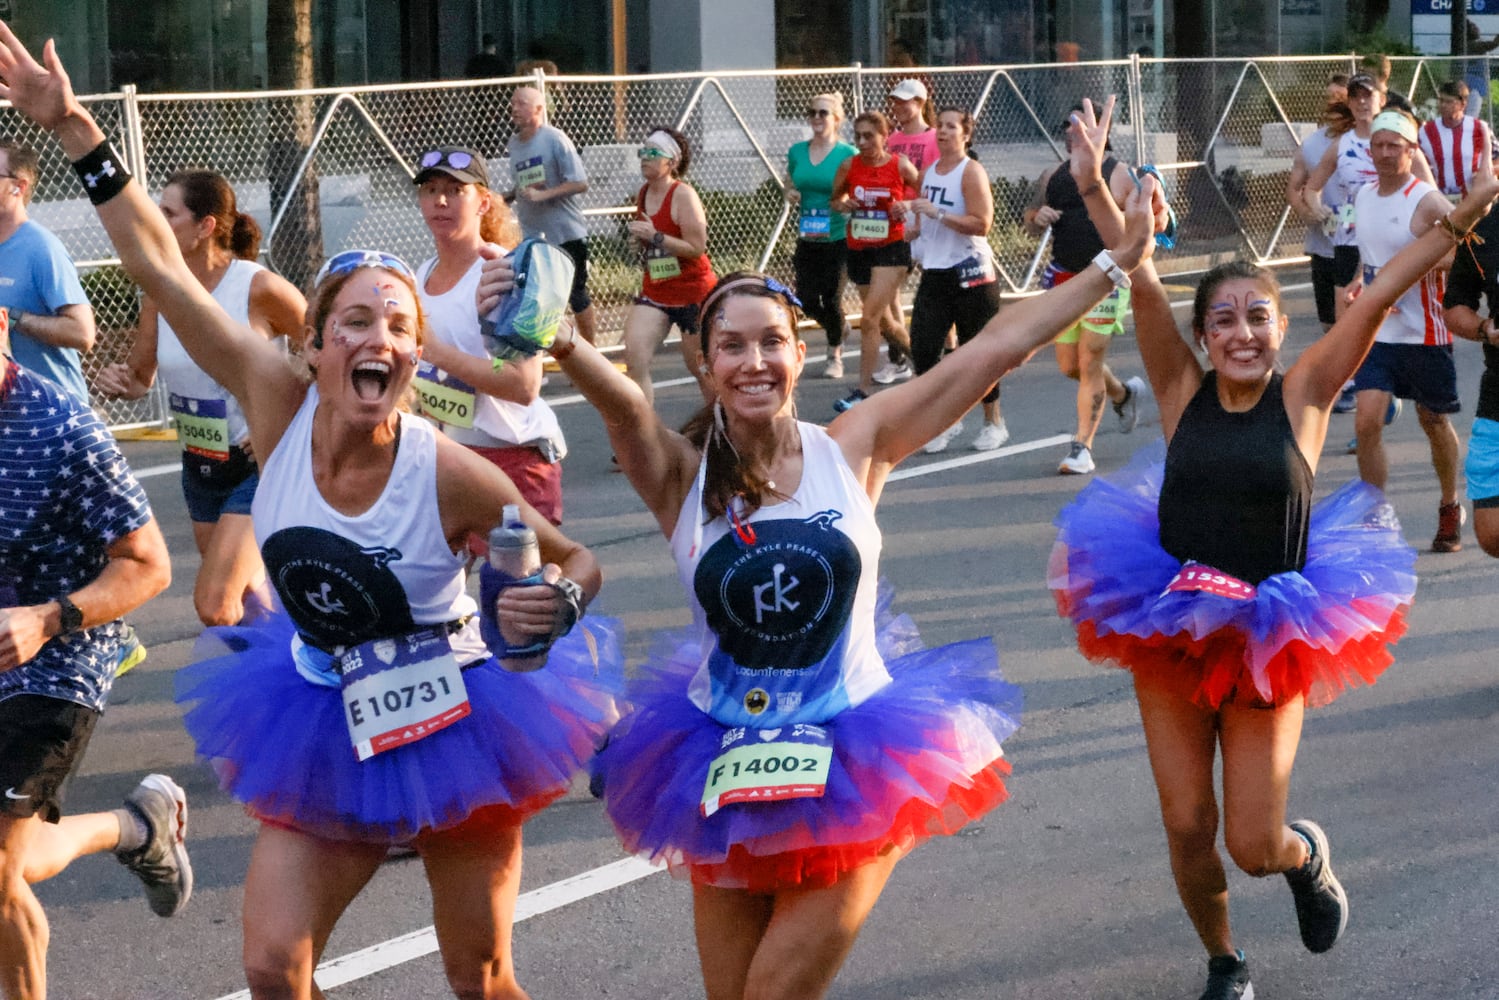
x=1235, y=601
x=370, y=711
x=787, y=749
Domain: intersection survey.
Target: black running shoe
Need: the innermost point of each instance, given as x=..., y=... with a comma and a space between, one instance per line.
x=1228, y=978
x=1321, y=903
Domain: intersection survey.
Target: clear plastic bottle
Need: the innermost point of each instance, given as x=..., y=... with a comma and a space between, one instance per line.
x=513, y=555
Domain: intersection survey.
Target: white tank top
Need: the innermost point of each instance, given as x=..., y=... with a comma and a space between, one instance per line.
x=493, y=423
x=348, y=579
x=189, y=385
x=1384, y=229
x=788, y=621
x=1355, y=169
x=943, y=247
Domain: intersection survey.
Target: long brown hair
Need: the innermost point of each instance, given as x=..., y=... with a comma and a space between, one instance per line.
x=727, y=476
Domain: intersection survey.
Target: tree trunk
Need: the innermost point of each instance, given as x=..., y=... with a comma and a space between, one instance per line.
x=297, y=246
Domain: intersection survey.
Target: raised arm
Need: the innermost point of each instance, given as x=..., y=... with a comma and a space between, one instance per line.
x=1170, y=363
x=232, y=354
x=890, y=425
x=1317, y=376
x=659, y=462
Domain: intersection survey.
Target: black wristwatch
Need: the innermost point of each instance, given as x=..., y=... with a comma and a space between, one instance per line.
x=658, y=238
x=71, y=617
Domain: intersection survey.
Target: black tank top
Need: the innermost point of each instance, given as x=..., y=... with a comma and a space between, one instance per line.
x=1237, y=494
x=1074, y=241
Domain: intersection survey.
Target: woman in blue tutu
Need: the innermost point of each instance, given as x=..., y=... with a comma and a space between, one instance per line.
x=370, y=712
x=1233, y=600
x=787, y=749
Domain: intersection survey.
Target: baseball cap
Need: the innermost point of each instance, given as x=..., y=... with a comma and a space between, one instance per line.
x=909, y=90
x=1362, y=81
x=462, y=164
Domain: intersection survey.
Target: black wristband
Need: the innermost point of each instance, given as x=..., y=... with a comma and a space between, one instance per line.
x=103, y=173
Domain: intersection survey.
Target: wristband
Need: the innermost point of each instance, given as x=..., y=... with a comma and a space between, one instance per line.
x=103, y=173
x=560, y=350
x=1110, y=267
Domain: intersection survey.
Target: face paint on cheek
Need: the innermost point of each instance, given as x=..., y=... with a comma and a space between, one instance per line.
x=339, y=337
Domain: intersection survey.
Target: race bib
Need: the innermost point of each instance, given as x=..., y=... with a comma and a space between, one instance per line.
x=1345, y=215
x=397, y=691
x=815, y=223
x=975, y=271
x=766, y=765
x=445, y=398
x=870, y=224
x=1195, y=576
x=202, y=426
x=530, y=172
x=662, y=266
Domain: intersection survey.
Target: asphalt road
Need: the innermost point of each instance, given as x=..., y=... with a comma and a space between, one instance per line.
x=1061, y=893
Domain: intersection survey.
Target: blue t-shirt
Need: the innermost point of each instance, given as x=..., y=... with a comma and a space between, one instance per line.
x=66, y=495
x=38, y=276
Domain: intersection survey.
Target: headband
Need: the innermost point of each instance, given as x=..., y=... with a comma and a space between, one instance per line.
x=1394, y=121
x=665, y=143
x=759, y=280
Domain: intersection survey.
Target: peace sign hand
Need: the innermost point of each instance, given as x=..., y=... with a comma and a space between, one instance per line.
x=40, y=91
x=1090, y=134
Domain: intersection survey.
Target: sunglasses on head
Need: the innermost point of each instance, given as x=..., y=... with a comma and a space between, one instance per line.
x=819, y=113
x=457, y=159
x=652, y=153
x=353, y=260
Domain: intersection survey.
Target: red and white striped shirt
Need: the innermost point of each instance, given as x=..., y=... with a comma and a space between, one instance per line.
x=1453, y=152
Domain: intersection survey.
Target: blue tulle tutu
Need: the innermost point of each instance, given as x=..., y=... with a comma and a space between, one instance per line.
x=1314, y=633
x=920, y=758
x=279, y=743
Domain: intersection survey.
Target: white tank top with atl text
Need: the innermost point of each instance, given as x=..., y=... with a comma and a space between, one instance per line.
x=941, y=246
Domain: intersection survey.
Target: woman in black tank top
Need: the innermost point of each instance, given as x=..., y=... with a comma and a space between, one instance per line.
x=1212, y=578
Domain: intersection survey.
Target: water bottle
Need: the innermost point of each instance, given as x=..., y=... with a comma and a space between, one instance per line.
x=513, y=555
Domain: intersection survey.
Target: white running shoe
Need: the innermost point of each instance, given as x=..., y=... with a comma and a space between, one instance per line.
x=892, y=371
x=941, y=441
x=991, y=436
x=1079, y=461
x=1128, y=410
x=834, y=367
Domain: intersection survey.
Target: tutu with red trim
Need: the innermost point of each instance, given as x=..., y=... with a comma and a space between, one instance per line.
x=919, y=758
x=278, y=743
x=1313, y=633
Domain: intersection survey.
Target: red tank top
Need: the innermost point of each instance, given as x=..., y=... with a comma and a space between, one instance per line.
x=670, y=280
x=873, y=189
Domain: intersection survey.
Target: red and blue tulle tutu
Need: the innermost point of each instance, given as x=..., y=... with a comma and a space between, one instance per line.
x=920, y=758
x=278, y=742
x=1315, y=633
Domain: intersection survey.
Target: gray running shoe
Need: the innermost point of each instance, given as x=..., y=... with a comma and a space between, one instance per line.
x=1228, y=979
x=162, y=863
x=1321, y=903
x=1128, y=408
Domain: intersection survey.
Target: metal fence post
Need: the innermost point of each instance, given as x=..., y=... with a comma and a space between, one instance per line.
x=858, y=89
x=1137, y=107
x=541, y=85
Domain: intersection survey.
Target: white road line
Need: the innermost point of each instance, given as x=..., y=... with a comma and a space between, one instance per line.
x=157, y=470
x=388, y=954
x=973, y=458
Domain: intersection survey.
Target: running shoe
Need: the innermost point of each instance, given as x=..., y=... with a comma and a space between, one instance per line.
x=1449, y=537
x=834, y=367
x=132, y=652
x=893, y=371
x=1228, y=978
x=1321, y=903
x=1128, y=408
x=1079, y=461
x=848, y=402
x=1347, y=400
x=1352, y=448
x=991, y=436
x=1392, y=411
x=161, y=863
x=941, y=441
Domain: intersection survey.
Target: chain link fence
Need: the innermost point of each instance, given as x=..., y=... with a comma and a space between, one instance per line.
x=325, y=170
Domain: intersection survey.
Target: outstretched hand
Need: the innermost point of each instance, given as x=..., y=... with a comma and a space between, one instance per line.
x=39, y=90
x=1140, y=221
x=1483, y=187
x=1090, y=134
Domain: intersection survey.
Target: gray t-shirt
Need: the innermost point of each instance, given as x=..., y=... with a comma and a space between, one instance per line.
x=1312, y=149
x=548, y=158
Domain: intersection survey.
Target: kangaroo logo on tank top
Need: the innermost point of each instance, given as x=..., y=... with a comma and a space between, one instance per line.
x=337, y=593
x=783, y=601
